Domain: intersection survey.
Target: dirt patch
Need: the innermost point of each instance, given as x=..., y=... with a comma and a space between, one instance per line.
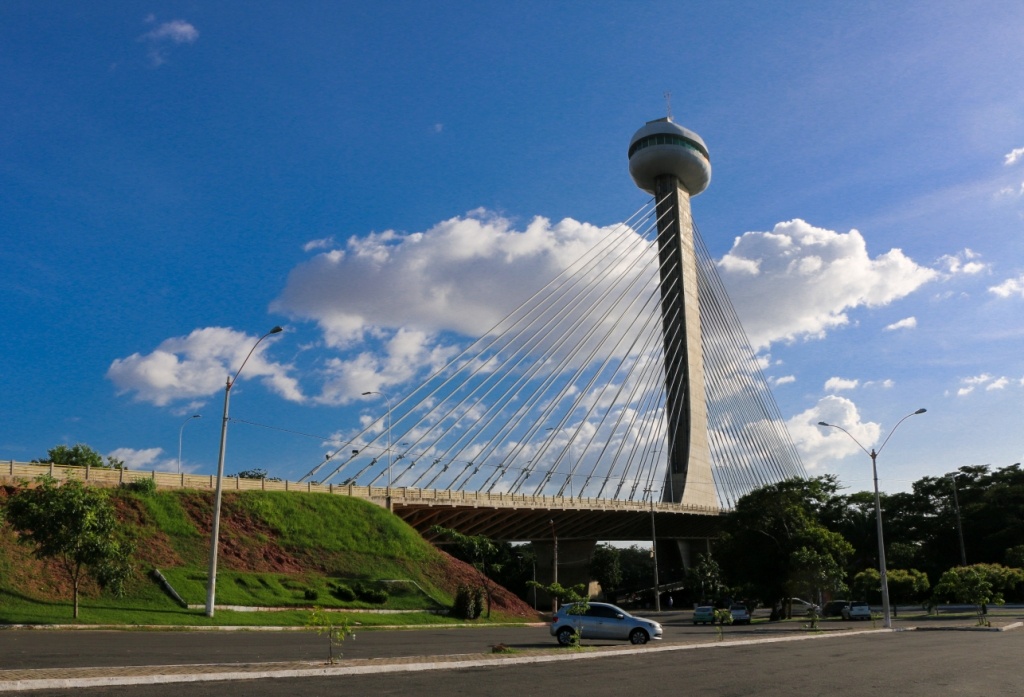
x=246, y=543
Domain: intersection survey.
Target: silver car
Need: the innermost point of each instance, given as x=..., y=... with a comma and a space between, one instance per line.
x=602, y=621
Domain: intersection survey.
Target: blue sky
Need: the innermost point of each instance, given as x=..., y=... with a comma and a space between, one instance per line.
x=177, y=178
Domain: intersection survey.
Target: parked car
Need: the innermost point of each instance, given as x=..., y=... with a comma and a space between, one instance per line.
x=704, y=614
x=857, y=611
x=802, y=607
x=834, y=608
x=602, y=621
x=740, y=613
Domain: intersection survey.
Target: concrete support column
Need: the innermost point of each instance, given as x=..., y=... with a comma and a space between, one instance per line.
x=689, y=479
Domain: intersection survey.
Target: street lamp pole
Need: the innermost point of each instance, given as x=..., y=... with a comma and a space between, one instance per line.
x=554, y=568
x=887, y=622
x=181, y=432
x=654, y=556
x=389, y=440
x=959, y=523
x=211, y=582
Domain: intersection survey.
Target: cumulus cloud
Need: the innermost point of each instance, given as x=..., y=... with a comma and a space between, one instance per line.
x=905, y=323
x=818, y=445
x=160, y=38
x=1009, y=288
x=839, y=384
x=884, y=384
x=800, y=281
x=1013, y=156
x=461, y=277
x=197, y=365
x=784, y=380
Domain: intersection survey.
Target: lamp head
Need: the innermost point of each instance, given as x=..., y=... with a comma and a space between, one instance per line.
x=920, y=411
x=366, y=393
x=275, y=330
x=822, y=423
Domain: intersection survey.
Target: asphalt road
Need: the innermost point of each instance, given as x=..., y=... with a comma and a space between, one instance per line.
x=900, y=664
x=86, y=648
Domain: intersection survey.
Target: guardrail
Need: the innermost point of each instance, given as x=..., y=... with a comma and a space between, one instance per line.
x=12, y=471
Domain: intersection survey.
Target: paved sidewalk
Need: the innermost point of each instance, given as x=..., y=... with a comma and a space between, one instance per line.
x=68, y=678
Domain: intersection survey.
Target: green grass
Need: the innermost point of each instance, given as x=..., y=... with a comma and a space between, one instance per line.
x=290, y=590
x=340, y=541
x=139, y=612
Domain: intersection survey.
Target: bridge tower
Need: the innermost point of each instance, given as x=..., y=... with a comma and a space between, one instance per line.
x=672, y=163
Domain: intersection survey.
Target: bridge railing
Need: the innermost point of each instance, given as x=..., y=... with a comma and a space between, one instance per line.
x=12, y=471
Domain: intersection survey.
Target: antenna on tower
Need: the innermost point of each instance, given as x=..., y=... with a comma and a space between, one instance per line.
x=668, y=104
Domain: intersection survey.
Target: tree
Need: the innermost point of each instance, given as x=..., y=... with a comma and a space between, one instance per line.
x=769, y=525
x=81, y=455
x=907, y=585
x=76, y=526
x=705, y=577
x=479, y=549
x=978, y=584
x=637, y=568
x=814, y=571
x=606, y=569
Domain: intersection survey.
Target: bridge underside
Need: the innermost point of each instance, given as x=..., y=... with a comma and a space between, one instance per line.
x=577, y=524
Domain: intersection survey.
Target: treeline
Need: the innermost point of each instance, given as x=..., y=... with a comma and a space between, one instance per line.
x=806, y=538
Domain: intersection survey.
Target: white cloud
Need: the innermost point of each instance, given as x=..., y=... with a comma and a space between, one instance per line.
x=1009, y=287
x=146, y=459
x=963, y=262
x=784, y=380
x=968, y=384
x=838, y=384
x=1013, y=156
x=905, y=323
x=175, y=32
x=462, y=275
x=800, y=281
x=818, y=445
x=998, y=383
x=197, y=365
x=884, y=384
x=322, y=243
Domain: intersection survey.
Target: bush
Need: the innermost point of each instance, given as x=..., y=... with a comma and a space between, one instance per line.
x=469, y=602
x=311, y=594
x=343, y=593
x=141, y=486
x=375, y=596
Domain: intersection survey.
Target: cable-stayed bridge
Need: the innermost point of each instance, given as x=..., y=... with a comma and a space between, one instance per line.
x=625, y=384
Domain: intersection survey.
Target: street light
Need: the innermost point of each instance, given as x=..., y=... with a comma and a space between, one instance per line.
x=959, y=524
x=878, y=509
x=180, y=433
x=211, y=582
x=389, y=440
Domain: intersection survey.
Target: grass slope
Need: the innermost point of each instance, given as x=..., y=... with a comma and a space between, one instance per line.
x=278, y=550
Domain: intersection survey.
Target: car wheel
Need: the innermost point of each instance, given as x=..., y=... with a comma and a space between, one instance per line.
x=566, y=635
x=638, y=636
